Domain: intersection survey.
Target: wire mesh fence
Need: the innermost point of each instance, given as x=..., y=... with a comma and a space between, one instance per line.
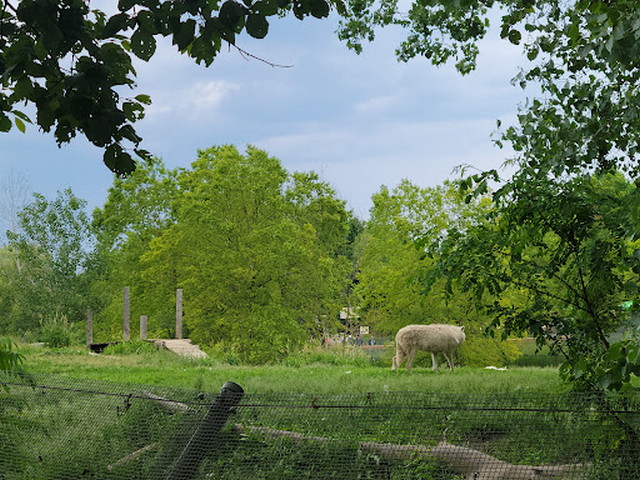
x=61, y=428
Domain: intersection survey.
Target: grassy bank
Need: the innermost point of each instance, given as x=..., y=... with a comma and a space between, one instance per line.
x=67, y=428
x=329, y=374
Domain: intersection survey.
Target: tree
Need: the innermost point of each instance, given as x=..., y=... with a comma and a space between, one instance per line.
x=561, y=245
x=398, y=253
x=8, y=279
x=257, y=251
x=52, y=247
x=392, y=259
x=138, y=208
x=583, y=61
x=71, y=62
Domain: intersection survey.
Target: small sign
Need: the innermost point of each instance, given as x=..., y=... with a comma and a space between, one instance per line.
x=364, y=330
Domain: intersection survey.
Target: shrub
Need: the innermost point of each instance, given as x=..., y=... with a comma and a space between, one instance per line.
x=483, y=351
x=534, y=356
x=223, y=352
x=538, y=360
x=10, y=361
x=57, y=332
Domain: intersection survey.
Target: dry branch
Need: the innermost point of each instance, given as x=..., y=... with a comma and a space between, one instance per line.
x=169, y=406
x=474, y=464
x=130, y=457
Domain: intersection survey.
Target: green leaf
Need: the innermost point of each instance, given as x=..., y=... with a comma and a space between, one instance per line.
x=605, y=381
x=21, y=115
x=142, y=98
x=144, y=154
x=185, y=34
x=143, y=45
x=118, y=161
x=319, y=8
x=515, y=36
x=114, y=25
x=340, y=7
x=5, y=123
x=257, y=26
x=266, y=7
x=230, y=14
x=20, y=124
x=128, y=132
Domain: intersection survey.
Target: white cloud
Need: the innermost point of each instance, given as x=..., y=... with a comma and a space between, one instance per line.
x=202, y=99
x=358, y=159
x=206, y=96
x=376, y=104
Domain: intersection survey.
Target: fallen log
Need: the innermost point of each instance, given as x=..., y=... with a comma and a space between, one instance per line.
x=474, y=464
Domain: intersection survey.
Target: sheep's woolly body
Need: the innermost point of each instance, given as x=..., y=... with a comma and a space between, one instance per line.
x=434, y=338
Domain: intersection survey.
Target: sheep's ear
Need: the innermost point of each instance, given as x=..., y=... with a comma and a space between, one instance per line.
x=462, y=328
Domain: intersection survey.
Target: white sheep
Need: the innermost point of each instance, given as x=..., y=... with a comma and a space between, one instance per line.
x=434, y=338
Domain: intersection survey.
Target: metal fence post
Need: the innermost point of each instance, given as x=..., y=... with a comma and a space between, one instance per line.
x=206, y=436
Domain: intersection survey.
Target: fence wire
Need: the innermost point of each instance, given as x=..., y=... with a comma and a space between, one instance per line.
x=62, y=428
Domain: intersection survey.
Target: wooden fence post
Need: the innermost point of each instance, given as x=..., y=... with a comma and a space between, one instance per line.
x=126, y=316
x=143, y=327
x=179, y=313
x=89, y=326
x=206, y=436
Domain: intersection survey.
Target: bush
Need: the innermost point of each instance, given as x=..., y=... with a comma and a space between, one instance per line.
x=483, y=351
x=538, y=360
x=534, y=356
x=223, y=352
x=10, y=361
x=57, y=332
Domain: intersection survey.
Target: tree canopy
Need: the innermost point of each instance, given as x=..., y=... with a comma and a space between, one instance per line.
x=72, y=63
x=257, y=250
x=50, y=255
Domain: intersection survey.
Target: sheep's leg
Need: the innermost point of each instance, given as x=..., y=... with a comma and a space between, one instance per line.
x=397, y=360
x=448, y=357
x=434, y=361
x=410, y=356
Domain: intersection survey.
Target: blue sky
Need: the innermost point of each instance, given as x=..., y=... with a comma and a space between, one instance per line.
x=360, y=121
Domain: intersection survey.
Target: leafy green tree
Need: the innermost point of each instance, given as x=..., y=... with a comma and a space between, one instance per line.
x=257, y=251
x=8, y=277
x=396, y=256
x=52, y=250
x=392, y=259
x=71, y=62
x=138, y=208
x=562, y=244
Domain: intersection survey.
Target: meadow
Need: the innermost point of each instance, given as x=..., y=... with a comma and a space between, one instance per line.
x=315, y=370
x=85, y=415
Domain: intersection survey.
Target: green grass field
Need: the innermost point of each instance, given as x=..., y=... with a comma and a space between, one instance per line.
x=69, y=428
x=319, y=372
